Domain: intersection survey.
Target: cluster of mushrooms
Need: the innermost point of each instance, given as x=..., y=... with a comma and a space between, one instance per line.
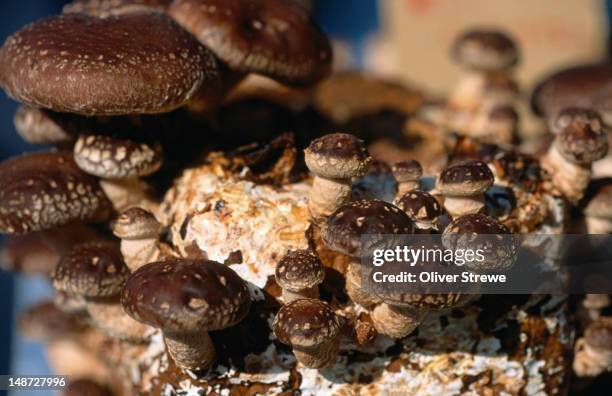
x=134, y=95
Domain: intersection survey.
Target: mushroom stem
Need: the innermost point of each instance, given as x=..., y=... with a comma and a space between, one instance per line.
x=353, y=286
x=406, y=187
x=571, y=179
x=319, y=356
x=598, y=225
x=192, y=351
x=396, y=322
x=311, y=292
x=138, y=252
x=108, y=315
x=327, y=195
x=125, y=193
x=461, y=206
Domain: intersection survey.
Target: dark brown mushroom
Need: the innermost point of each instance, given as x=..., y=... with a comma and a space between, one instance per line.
x=485, y=50
x=463, y=185
x=116, y=158
x=275, y=38
x=422, y=208
x=186, y=299
x=128, y=64
x=580, y=141
x=408, y=175
x=139, y=232
x=44, y=322
x=312, y=329
x=96, y=272
x=299, y=274
x=335, y=160
x=342, y=233
x=593, y=352
x=45, y=190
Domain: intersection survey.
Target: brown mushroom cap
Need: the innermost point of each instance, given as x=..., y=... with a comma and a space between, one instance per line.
x=577, y=86
x=45, y=190
x=275, y=38
x=306, y=323
x=598, y=334
x=337, y=156
x=299, y=270
x=465, y=178
x=343, y=229
x=597, y=200
x=477, y=231
x=91, y=269
x=116, y=158
x=39, y=126
x=485, y=50
x=407, y=171
x=582, y=138
x=181, y=295
x=136, y=223
x=420, y=206
x=105, y=8
x=45, y=321
x=134, y=63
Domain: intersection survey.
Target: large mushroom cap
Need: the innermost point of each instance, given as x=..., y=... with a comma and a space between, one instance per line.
x=577, y=86
x=276, y=38
x=337, y=156
x=92, y=269
x=306, y=323
x=485, y=50
x=134, y=63
x=343, y=229
x=116, y=158
x=582, y=138
x=135, y=223
x=598, y=198
x=45, y=190
x=105, y=8
x=299, y=270
x=182, y=295
x=465, y=178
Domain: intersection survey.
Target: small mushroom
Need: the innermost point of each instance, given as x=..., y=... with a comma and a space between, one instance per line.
x=128, y=64
x=408, y=175
x=96, y=272
x=422, y=208
x=335, y=160
x=342, y=233
x=485, y=50
x=396, y=321
x=299, y=274
x=594, y=303
x=312, y=329
x=139, y=232
x=40, y=126
x=463, y=185
x=597, y=206
x=496, y=125
x=120, y=162
x=576, y=146
x=46, y=322
x=275, y=38
x=593, y=351
x=186, y=299
x=46, y=190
